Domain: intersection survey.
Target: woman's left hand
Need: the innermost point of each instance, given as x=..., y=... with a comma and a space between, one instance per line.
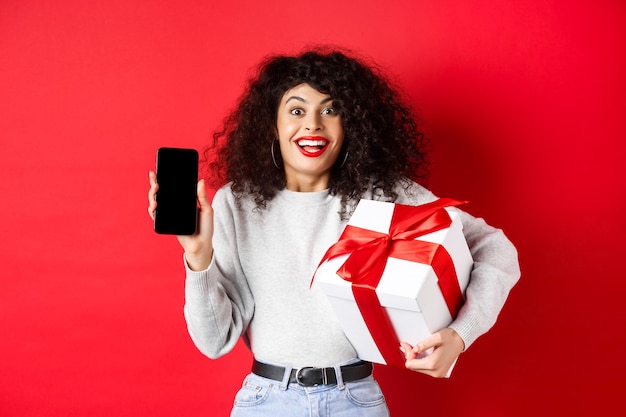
x=446, y=347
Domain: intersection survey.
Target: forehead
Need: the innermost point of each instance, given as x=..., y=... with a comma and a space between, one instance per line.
x=304, y=93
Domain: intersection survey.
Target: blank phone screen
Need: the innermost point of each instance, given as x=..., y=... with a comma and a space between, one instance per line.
x=177, y=176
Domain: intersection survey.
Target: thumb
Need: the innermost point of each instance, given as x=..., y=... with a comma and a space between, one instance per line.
x=203, y=199
x=428, y=343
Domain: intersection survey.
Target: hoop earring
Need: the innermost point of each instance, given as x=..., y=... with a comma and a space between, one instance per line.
x=273, y=157
x=344, y=160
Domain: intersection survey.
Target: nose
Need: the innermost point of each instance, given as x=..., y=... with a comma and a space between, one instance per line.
x=313, y=122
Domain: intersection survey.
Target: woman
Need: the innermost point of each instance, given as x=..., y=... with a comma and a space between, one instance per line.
x=311, y=136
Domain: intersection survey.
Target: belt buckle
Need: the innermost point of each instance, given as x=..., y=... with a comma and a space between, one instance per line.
x=298, y=376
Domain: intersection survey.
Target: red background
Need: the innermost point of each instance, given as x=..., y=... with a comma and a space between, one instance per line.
x=524, y=102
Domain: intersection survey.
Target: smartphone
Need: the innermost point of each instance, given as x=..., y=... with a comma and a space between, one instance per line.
x=177, y=176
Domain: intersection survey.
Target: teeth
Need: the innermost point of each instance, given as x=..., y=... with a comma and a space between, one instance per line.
x=306, y=142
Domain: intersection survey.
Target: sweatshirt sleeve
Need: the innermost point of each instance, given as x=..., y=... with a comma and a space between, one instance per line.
x=496, y=270
x=218, y=301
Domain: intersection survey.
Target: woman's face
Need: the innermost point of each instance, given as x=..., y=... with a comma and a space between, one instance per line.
x=310, y=133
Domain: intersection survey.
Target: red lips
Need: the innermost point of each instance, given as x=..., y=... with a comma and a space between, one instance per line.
x=312, y=146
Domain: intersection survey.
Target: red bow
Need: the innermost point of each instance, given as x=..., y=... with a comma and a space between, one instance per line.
x=369, y=251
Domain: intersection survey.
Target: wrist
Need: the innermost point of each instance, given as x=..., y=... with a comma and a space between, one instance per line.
x=198, y=262
x=457, y=338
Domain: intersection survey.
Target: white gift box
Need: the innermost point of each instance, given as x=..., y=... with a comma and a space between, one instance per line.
x=408, y=291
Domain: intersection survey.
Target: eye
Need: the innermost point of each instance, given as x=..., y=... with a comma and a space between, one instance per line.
x=329, y=111
x=297, y=111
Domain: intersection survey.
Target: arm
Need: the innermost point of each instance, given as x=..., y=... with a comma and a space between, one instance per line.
x=217, y=309
x=496, y=270
x=218, y=301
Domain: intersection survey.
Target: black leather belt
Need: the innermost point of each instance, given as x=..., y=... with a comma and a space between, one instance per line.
x=312, y=377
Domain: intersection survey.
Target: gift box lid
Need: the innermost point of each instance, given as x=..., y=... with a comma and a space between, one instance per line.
x=404, y=284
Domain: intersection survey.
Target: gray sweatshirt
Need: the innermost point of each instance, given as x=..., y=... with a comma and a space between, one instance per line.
x=258, y=284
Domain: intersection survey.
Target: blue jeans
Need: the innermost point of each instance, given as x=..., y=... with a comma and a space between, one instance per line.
x=265, y=397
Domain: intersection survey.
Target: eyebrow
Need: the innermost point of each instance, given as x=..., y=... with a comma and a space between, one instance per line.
x=300, y=99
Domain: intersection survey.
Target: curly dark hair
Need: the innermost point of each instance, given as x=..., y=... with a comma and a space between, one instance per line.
x=383, y=144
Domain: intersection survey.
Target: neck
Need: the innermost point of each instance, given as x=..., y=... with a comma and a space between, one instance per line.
x=307, y=184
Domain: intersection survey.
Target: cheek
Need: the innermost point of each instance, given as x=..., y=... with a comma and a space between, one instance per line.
x=340, y=133
x=339, y=126
x=285, y=129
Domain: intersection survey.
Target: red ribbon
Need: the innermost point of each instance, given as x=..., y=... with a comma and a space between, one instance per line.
x=369, y=251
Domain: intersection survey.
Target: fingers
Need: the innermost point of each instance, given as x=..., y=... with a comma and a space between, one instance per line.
x=407, y=350
x=432, y=341
x=206, y=210
x=154, y=186
x=436, y=354
x=429, y=363
x=414, y=362
x=198, y=247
